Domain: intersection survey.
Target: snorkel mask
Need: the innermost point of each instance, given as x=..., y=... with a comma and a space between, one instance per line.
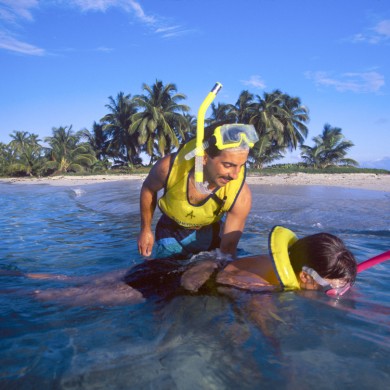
x=234, y=136
x=338, y=291
x=327, y=287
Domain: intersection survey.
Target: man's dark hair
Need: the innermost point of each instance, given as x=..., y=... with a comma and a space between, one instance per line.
x=211, y=150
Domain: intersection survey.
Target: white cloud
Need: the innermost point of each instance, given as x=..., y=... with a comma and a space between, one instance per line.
x=156, y=23
x=254, y=81
x=364, y=82
x=94, y=5
x=15, y=11
x=383, y=28
x=127, y=5
x=140, y=12
x=171, y=31
x=105, y=49
x=10, y=43
x=12, y=10
x=375, y=35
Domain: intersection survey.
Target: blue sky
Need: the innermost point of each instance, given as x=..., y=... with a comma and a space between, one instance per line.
x=61, y=59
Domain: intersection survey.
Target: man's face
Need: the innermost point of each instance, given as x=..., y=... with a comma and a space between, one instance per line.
x=218, y=171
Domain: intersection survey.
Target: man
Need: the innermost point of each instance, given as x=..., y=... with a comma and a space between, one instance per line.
x=191, y=219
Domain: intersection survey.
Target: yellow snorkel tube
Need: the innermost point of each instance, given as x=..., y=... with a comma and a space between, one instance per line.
x=199, y=151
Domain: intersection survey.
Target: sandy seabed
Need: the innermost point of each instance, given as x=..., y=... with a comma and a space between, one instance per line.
x=367, y=181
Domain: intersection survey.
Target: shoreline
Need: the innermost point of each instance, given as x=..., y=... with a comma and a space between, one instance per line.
x=363, y=181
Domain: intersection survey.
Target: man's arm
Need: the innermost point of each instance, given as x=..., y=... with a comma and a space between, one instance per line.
x=235, y=221
x=148, y=201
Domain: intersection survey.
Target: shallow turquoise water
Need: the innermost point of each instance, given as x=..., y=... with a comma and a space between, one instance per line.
x=280, y=340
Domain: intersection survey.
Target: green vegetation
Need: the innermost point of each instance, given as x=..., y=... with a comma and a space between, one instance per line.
x=329, y=150
x=156, y=123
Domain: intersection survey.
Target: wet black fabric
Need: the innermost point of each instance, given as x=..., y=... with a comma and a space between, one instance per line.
x=159, y=278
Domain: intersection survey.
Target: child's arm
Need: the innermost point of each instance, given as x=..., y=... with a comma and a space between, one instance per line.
x=47, y=276
x=195, y=277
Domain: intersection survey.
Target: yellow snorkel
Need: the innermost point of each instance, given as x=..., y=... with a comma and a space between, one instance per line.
x=199, y=150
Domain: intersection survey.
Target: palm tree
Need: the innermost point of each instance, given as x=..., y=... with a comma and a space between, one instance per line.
x=6, y=158
x=244, y=107
x=264, y=152
x=98, y=140
x=191, y=126
x=123, y=145
x=66, y=154
x=27, y=153
x=281, y=119
x=267, y=114
x=20, y=140
x=221, y=113
x=312, y=155
x=330, y=149
x=294, y=118
x=160, y=125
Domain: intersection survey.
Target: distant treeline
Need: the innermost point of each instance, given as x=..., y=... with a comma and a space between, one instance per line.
x=156, y=122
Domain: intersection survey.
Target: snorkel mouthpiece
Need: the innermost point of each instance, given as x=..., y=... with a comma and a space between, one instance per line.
x=199, y=151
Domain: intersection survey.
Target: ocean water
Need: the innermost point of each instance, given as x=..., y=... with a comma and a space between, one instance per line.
x=55, y=337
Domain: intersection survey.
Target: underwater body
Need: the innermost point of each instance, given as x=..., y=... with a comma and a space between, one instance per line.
x=211, y=340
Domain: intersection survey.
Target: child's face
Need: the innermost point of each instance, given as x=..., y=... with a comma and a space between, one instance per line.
x=311, y=280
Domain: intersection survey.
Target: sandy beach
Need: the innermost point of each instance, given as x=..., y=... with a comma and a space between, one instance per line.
x=367, y=181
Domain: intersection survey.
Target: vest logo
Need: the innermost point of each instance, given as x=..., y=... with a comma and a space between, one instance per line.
x=190, y=215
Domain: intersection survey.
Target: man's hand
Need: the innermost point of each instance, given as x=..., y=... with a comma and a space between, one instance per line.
x=145, y=242
x=148, y=201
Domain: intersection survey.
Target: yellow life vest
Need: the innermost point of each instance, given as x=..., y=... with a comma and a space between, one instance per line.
x=280, y=239
x=174, y=203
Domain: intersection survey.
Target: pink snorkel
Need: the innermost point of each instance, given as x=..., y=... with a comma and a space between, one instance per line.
x=362, y=267
x=335, y=292
x=373, y=261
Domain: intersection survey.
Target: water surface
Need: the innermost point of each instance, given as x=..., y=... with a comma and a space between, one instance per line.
x=206, y=341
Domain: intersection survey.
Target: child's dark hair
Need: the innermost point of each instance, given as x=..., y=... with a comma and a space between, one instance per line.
x=326, y=254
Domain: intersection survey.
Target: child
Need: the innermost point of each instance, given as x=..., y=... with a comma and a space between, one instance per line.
x=316, y=262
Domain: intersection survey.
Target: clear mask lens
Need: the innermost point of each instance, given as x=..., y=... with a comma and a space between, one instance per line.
x=234, y=135
x=325, y=285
